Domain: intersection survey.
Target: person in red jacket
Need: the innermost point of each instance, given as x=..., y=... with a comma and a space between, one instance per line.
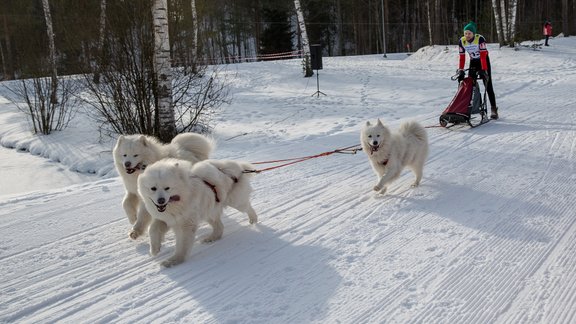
x=547, y=32
x=475, y=45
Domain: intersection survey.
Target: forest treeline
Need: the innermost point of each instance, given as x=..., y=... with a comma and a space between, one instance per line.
x=239, y=30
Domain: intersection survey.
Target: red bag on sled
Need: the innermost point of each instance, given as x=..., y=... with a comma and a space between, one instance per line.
x=458, y=111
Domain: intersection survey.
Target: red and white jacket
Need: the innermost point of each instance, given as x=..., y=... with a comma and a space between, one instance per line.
x=547, y=30
x=476, y=49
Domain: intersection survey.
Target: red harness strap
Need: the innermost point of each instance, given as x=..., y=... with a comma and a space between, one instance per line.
x=213, y=187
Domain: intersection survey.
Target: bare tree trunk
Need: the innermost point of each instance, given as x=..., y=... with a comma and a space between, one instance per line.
x=163, y=69
x=455, y=27
x=194, y=48
x=565, y=19
x=101, y=36
x=429, y=23
x=7, y=59
x=504, y=21
x=498, y=20
x=52, y=49
x=4, y=69
x=339, y=46
x=305, y=42
x=512, y=10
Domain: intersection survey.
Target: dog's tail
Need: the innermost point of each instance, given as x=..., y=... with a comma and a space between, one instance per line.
x=414, y=131
x=193, y=147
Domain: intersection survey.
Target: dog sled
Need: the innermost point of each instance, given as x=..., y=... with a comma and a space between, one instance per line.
x=468, y=105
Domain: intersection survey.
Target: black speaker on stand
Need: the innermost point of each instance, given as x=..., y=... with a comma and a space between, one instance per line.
x=316, y=62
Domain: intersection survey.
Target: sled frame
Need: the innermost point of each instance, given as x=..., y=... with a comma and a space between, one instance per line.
x=477, y=108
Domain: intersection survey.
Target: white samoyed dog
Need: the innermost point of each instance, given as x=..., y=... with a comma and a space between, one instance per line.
x=181, y=196
x=134, y=153
x=390, y=152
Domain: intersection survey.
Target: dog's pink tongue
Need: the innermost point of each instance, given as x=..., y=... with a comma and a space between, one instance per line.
x=175, y=198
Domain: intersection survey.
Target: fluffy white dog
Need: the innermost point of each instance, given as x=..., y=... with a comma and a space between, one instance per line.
x=134, y=153
x=390, y=152
x=181, y=196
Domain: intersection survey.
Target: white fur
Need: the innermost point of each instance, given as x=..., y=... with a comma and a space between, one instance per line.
x=181, y=196
x=134, y=153
x=390, y=152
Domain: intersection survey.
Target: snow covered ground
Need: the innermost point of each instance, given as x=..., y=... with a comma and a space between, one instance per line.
x=488, y=237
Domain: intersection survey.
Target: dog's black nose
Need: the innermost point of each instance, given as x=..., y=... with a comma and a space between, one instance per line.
x=161, y=201
x=127, y=164
x=375, y=143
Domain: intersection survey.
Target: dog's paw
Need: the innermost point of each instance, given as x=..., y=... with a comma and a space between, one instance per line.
x=133, y=234
x=154, y=250
x=210, y=239
x=377, y=188
x=171, y=262
x=415, y=184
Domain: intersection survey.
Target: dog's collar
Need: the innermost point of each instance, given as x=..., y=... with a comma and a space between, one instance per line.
x=384, y=162
x=140, y=166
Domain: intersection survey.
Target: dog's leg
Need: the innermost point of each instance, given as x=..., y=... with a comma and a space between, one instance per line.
x=418, y=170
x=142, y=222
x=392, y=173
x=247, y=208
x=252, y=214
x=157, y=231
x=185, y=235
x=130, y=205
x=217, y=229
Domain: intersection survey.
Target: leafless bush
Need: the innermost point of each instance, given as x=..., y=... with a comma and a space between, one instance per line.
x=48, y=111
x=196, y=98
x=125, y=102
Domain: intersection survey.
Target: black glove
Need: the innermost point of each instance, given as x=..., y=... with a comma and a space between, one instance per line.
x=460, y=75
x=482, y=74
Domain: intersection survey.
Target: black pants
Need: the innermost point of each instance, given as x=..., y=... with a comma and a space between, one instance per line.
x=546, y=43
x=476, y=64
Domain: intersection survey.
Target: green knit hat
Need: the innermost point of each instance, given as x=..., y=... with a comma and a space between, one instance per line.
x=471, y=26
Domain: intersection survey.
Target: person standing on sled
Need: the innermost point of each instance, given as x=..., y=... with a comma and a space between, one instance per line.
x=475, y=45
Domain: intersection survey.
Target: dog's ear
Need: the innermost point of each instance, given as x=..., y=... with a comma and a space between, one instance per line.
x=121, y=139
x=143, y=140
x=380, y=122
x=368, y=124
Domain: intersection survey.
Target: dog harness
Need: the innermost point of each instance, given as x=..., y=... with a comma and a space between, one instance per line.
x=375, y=149
x=213, y=187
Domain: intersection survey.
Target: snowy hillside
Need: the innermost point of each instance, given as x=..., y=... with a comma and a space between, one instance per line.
x=488, y=237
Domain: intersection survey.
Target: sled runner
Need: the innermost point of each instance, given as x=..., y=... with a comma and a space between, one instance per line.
x=468, y=105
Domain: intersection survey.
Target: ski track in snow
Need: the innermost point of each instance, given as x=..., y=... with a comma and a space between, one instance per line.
x=488, y=237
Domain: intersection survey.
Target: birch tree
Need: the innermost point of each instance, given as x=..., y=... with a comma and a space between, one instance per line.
x=52, y=51
x=194, y=48
x=505, y=18
x=512, y=9
x=498, y=21
x=429, y=18
x=305, y=42
x=102, y=30
x=162, y=68
x=565, y=18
